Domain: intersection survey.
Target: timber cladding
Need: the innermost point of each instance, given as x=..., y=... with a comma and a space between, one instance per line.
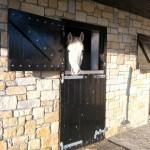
x=29, y=101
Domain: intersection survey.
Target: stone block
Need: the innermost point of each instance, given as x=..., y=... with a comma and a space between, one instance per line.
x=62, y=5
x=81, y=16
x=59, y=13
x=32, y=1
x=107, y=15
x=26, y=81
x=113, y=38
x=120, y=59
x=49, y=12
x=20, y=140
x=20, y=130
x=51, y=75
x=49, y=141
x=28, y=104
x=15, y=90
x=56, y=84
x=78, y=5
x=30, y=127
x=34, y=144
x=38, y=10
x=69, y=15
x=9, y=132
x=21, y=97
x=38, y=113
x=2, y=86
x=97, y=12
x=91, y=19
x=3, y=2
x=44, y=84
x=21, y=121
x=14, y=4
x=43, y=3
x=4, y=40
x=3, y=15
x=31, y=87
x=49, y=95
x=71, y=6
x=33, y=94
x=55, y=127
x=19, y=74
x=51, y=117
x=4, y=52
x=5, y=114
x=43, y=132
x=10, y=122
x=8, y=102
x=88, y=6
x=53, y=3
x=3, y=145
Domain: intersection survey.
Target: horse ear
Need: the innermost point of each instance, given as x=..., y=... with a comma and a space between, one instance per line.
x=81, y=36
x=69, y=37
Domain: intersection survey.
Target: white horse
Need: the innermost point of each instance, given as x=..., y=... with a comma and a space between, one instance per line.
x=75, y=52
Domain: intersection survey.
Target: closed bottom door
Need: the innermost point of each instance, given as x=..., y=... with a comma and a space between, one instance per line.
x=82, y=110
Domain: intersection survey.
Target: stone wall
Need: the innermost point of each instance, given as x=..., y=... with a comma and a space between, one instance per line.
x=29, y=101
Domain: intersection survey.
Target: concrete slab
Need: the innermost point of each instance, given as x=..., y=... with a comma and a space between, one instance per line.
x=135, y=139
x=103, y=145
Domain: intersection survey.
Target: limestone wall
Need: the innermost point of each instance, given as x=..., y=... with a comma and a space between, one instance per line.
x=29, y=101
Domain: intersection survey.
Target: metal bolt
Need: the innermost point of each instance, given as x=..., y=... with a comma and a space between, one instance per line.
x=29, y=31
x=44, y=47
x=45, y=22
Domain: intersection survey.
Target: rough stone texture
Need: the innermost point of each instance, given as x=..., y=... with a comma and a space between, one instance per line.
x=29, y=101
x=62, y=5
x=33, y=9
x=3, y=145
x=49, y=12
x=26, y=81
x=44, y=84
x=43, y=2
x=16, y=90
x=28, y=104
x=30, y=127
x=38, y=113
x=88, y=6
x=8, y=102
x=34, y=144
x=53, y=3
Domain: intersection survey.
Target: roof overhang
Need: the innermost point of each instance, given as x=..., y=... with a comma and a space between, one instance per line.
x=139, y=7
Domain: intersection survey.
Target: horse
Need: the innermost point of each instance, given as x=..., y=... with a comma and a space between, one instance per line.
x=75, y=52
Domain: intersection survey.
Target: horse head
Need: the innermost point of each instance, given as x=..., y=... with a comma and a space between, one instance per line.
x=75, y=52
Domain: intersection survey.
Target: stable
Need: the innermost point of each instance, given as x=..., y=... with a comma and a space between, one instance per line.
x=53, y=96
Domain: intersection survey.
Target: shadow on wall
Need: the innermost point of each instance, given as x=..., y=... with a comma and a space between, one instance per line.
x=126, y=121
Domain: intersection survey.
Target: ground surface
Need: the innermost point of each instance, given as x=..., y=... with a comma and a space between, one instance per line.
x=135, y=139
x=103, y=145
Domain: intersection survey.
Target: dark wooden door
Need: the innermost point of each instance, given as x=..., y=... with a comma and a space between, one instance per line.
x=82, y=109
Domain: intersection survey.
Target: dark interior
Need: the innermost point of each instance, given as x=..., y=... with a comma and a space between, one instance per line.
x=76, y=28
